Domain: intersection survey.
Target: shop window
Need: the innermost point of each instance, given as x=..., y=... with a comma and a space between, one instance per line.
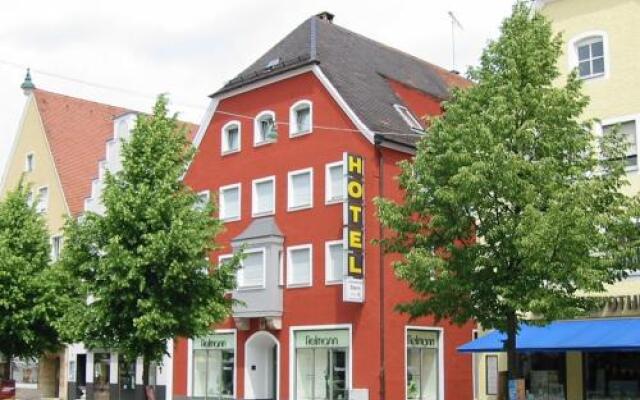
x=545, y=375
x=612, y=375
x=231, y=137
x=300, y=119
x=230, y=202
x=126, y=373
x=299, y=265
x=334, y=262
x=264, y=129
x=300, y=189
x=214, y=367
x=264, y=196
x=101, y=375
x=24, y=371
x=627, y=130
x=334, y=186
x=423, y=369
x=252, y=270
x=322, y=365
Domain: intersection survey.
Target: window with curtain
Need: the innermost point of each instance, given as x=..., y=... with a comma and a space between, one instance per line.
x=300, y=121
x=251, y=272
x=300, y=189
x=213, y=374
x=422, y=365
x=627, y=130
x=299, y=266
x=264, y=125
x=590, y=54
x=264, y=197
x=334, y=187
x=231, y=138
x=334, y=265
x=230, y=203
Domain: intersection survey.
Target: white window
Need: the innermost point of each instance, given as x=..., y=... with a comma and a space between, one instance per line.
x=43, y=200
x=29, y=162
x=334, y=183
x=264, y=196
x=231, y=137
x=299, y=265
x=264, y=128
x=408, y=117
x=334, y=262
x=202, y=200
x=628, y=130
x=591, y=58
x=56, y=247
x=251, y=273
x=300, y=118
x=423, y=364
x=230, y=202
x=300, y=189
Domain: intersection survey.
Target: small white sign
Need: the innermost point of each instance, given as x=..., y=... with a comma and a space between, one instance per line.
x=353, y=290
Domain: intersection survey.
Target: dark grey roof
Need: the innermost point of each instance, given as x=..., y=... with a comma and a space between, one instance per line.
x=260, y=228
x=357, y=66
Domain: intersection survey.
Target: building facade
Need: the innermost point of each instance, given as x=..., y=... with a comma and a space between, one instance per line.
x=294, y=151
x=598, y=358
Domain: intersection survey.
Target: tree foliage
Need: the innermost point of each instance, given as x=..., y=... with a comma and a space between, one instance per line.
x=29, y=305
x=509, y=208
x=143, y=264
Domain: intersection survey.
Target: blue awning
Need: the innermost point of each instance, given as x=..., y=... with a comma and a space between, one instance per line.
x=620, y=334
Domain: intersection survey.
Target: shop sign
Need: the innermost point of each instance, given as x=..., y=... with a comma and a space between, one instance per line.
x=353, y=221
x=422, y=339
x=216, y=341
x=324, y=338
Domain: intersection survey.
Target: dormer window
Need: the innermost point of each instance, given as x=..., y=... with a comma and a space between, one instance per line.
x=590, y=53
x=231, y=137
x=408, y=117
x=264, y=128
x=29, y=162
x=300, y=118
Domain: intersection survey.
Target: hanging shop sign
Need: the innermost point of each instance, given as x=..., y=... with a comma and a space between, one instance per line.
x=215, y=341
x=322, y=338
x=353, y=221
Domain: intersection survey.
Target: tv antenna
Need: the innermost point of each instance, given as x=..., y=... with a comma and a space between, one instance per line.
x=454, y=23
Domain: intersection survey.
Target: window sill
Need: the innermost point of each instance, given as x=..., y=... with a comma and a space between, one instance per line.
x=230, y=219
x=334, y=201
x=592, y=77
x=249, y=288
x=298, y=285
x=299, y=208
x=333, y=283
x=229, y=152
x=263, y=143
x=262, y=214
x=298, y=134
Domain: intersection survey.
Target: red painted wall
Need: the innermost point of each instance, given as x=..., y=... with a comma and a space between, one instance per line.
x=319, y=304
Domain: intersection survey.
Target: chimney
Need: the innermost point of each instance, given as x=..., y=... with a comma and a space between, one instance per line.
x=27, y=86
x=325, y=16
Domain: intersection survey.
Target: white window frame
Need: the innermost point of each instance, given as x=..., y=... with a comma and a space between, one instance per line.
x=327, y=184
x=256, y=128
x=441, y=359
x=290, y=249
x=619, y=120
x=290, y=175
x=254, y=197
x=222, y=207
x=30, y=162
x=59, y=237
x=293, y=132
x=204, y=196
x=408, y=117
x=39, y=198
x=241, y=286
x=327, y=259
x=572, y=51
x=224, y=139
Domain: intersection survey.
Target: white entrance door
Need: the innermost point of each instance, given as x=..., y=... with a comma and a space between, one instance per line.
x=262, y=353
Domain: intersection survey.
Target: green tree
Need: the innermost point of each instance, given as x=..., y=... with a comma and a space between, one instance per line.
x=509, y=213
x=143, y=264
x=29, y=305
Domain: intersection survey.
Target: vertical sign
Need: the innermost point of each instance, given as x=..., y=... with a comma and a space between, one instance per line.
x=353, y=219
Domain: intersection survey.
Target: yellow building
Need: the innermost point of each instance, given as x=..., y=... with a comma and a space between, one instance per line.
x=57, y=149
x=592, y=358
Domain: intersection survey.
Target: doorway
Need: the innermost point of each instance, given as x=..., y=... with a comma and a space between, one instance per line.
x=262, y=367
x=101, y=375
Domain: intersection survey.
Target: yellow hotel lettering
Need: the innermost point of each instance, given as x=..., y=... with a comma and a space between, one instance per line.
x=354, y=217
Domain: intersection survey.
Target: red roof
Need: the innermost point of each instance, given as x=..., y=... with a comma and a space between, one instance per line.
x=77, y=131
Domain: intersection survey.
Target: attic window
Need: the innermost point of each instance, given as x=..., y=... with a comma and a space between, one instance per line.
x=272, y=64
x=408, y=117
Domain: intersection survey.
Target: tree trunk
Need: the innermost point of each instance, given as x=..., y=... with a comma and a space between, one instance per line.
x=149, y=391
x=513, y=364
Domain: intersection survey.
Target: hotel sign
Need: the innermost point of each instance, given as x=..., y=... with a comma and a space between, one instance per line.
x=353, y=221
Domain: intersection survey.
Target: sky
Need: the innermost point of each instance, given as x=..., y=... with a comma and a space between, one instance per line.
x=124, y=53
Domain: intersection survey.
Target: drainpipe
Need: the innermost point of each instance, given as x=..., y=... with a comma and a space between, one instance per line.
x=378, y=139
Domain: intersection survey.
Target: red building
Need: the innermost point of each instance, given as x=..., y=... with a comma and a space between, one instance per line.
x=271, y=151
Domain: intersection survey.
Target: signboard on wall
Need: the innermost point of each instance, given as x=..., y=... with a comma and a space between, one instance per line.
x=353, y=223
